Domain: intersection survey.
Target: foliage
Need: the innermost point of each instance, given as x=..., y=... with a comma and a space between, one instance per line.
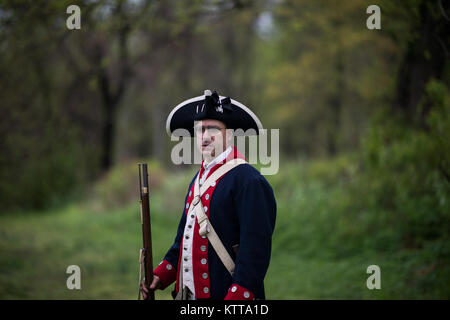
x=120, y=185
x=327, y=233
x=322, y=87
x=363, y=115
x=407, y=171
x=75, y=101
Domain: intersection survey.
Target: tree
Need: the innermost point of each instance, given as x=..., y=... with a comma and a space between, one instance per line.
x=423, y=31
x=324, y=70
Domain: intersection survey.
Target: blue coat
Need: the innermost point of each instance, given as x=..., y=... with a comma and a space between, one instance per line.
x=242, y=210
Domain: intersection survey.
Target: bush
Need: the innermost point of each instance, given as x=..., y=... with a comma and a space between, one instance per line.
x=120, y=185
x=41, y=170
x=406, y=172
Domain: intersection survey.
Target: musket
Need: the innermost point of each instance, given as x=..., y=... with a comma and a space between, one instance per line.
x=146, y=256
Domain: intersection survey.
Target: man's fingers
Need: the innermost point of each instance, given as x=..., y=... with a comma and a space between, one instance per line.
x=155, y=283
x=144, y=287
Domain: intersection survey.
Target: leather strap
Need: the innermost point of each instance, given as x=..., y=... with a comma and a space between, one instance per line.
x=206, y=228
x=220, y=172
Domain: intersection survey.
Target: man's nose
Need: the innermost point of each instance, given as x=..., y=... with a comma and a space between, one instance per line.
x=206, y=135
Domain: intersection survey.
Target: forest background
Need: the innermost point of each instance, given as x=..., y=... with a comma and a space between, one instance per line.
x=363, y=116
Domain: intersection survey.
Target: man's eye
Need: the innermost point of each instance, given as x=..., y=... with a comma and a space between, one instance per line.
x=212, y=129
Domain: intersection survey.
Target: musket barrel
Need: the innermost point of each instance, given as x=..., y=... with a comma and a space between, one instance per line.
x=147, y=254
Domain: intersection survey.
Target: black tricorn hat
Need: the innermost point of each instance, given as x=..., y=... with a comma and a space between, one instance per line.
x=234, y=114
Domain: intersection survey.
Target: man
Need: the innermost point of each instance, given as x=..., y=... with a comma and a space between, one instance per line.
x=227, y=253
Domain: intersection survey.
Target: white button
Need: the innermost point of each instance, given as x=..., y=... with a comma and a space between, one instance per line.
x=203, y=237
x=213, y=184
x=207, y=196
x=203, y=248
x=233, y=289
x=205, y=289
x=187, y=205
x=205, y=208
x=205, y=275
x=190, y=193
x=169, y=267
x=246, y=295
x=203, y=261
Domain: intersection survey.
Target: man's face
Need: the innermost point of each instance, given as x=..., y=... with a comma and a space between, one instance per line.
x=211, y=138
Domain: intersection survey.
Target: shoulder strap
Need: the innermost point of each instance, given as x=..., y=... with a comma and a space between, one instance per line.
x=219, y=173
x=206, y=229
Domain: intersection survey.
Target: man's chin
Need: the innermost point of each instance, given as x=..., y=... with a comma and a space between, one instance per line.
x=208, y=153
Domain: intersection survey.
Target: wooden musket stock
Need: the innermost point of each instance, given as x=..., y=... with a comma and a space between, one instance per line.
x=146, y=255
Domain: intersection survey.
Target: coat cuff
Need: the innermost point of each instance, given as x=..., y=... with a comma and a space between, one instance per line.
x=166, y=273
x=236, y=292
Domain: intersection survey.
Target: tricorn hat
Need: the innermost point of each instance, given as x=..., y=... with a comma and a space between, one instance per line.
x=212, y=106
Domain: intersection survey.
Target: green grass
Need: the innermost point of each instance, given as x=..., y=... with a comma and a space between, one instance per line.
x=322, y=245
x=36, y=250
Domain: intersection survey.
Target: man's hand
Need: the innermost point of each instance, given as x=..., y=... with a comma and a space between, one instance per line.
x=156, y=284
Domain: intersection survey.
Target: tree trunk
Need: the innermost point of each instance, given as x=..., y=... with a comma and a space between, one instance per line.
x=335, y=105
x=108, y=136
x=424, y=59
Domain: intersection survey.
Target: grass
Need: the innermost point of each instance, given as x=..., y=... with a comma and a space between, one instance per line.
x=37, y=249
x=322, y=246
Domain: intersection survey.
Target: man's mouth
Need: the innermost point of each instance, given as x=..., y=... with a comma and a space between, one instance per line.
x=206, y=145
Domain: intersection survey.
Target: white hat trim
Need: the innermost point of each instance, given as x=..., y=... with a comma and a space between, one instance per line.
x=199, y=98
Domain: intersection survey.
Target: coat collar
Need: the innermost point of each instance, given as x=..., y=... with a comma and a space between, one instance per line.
x=229, y=154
